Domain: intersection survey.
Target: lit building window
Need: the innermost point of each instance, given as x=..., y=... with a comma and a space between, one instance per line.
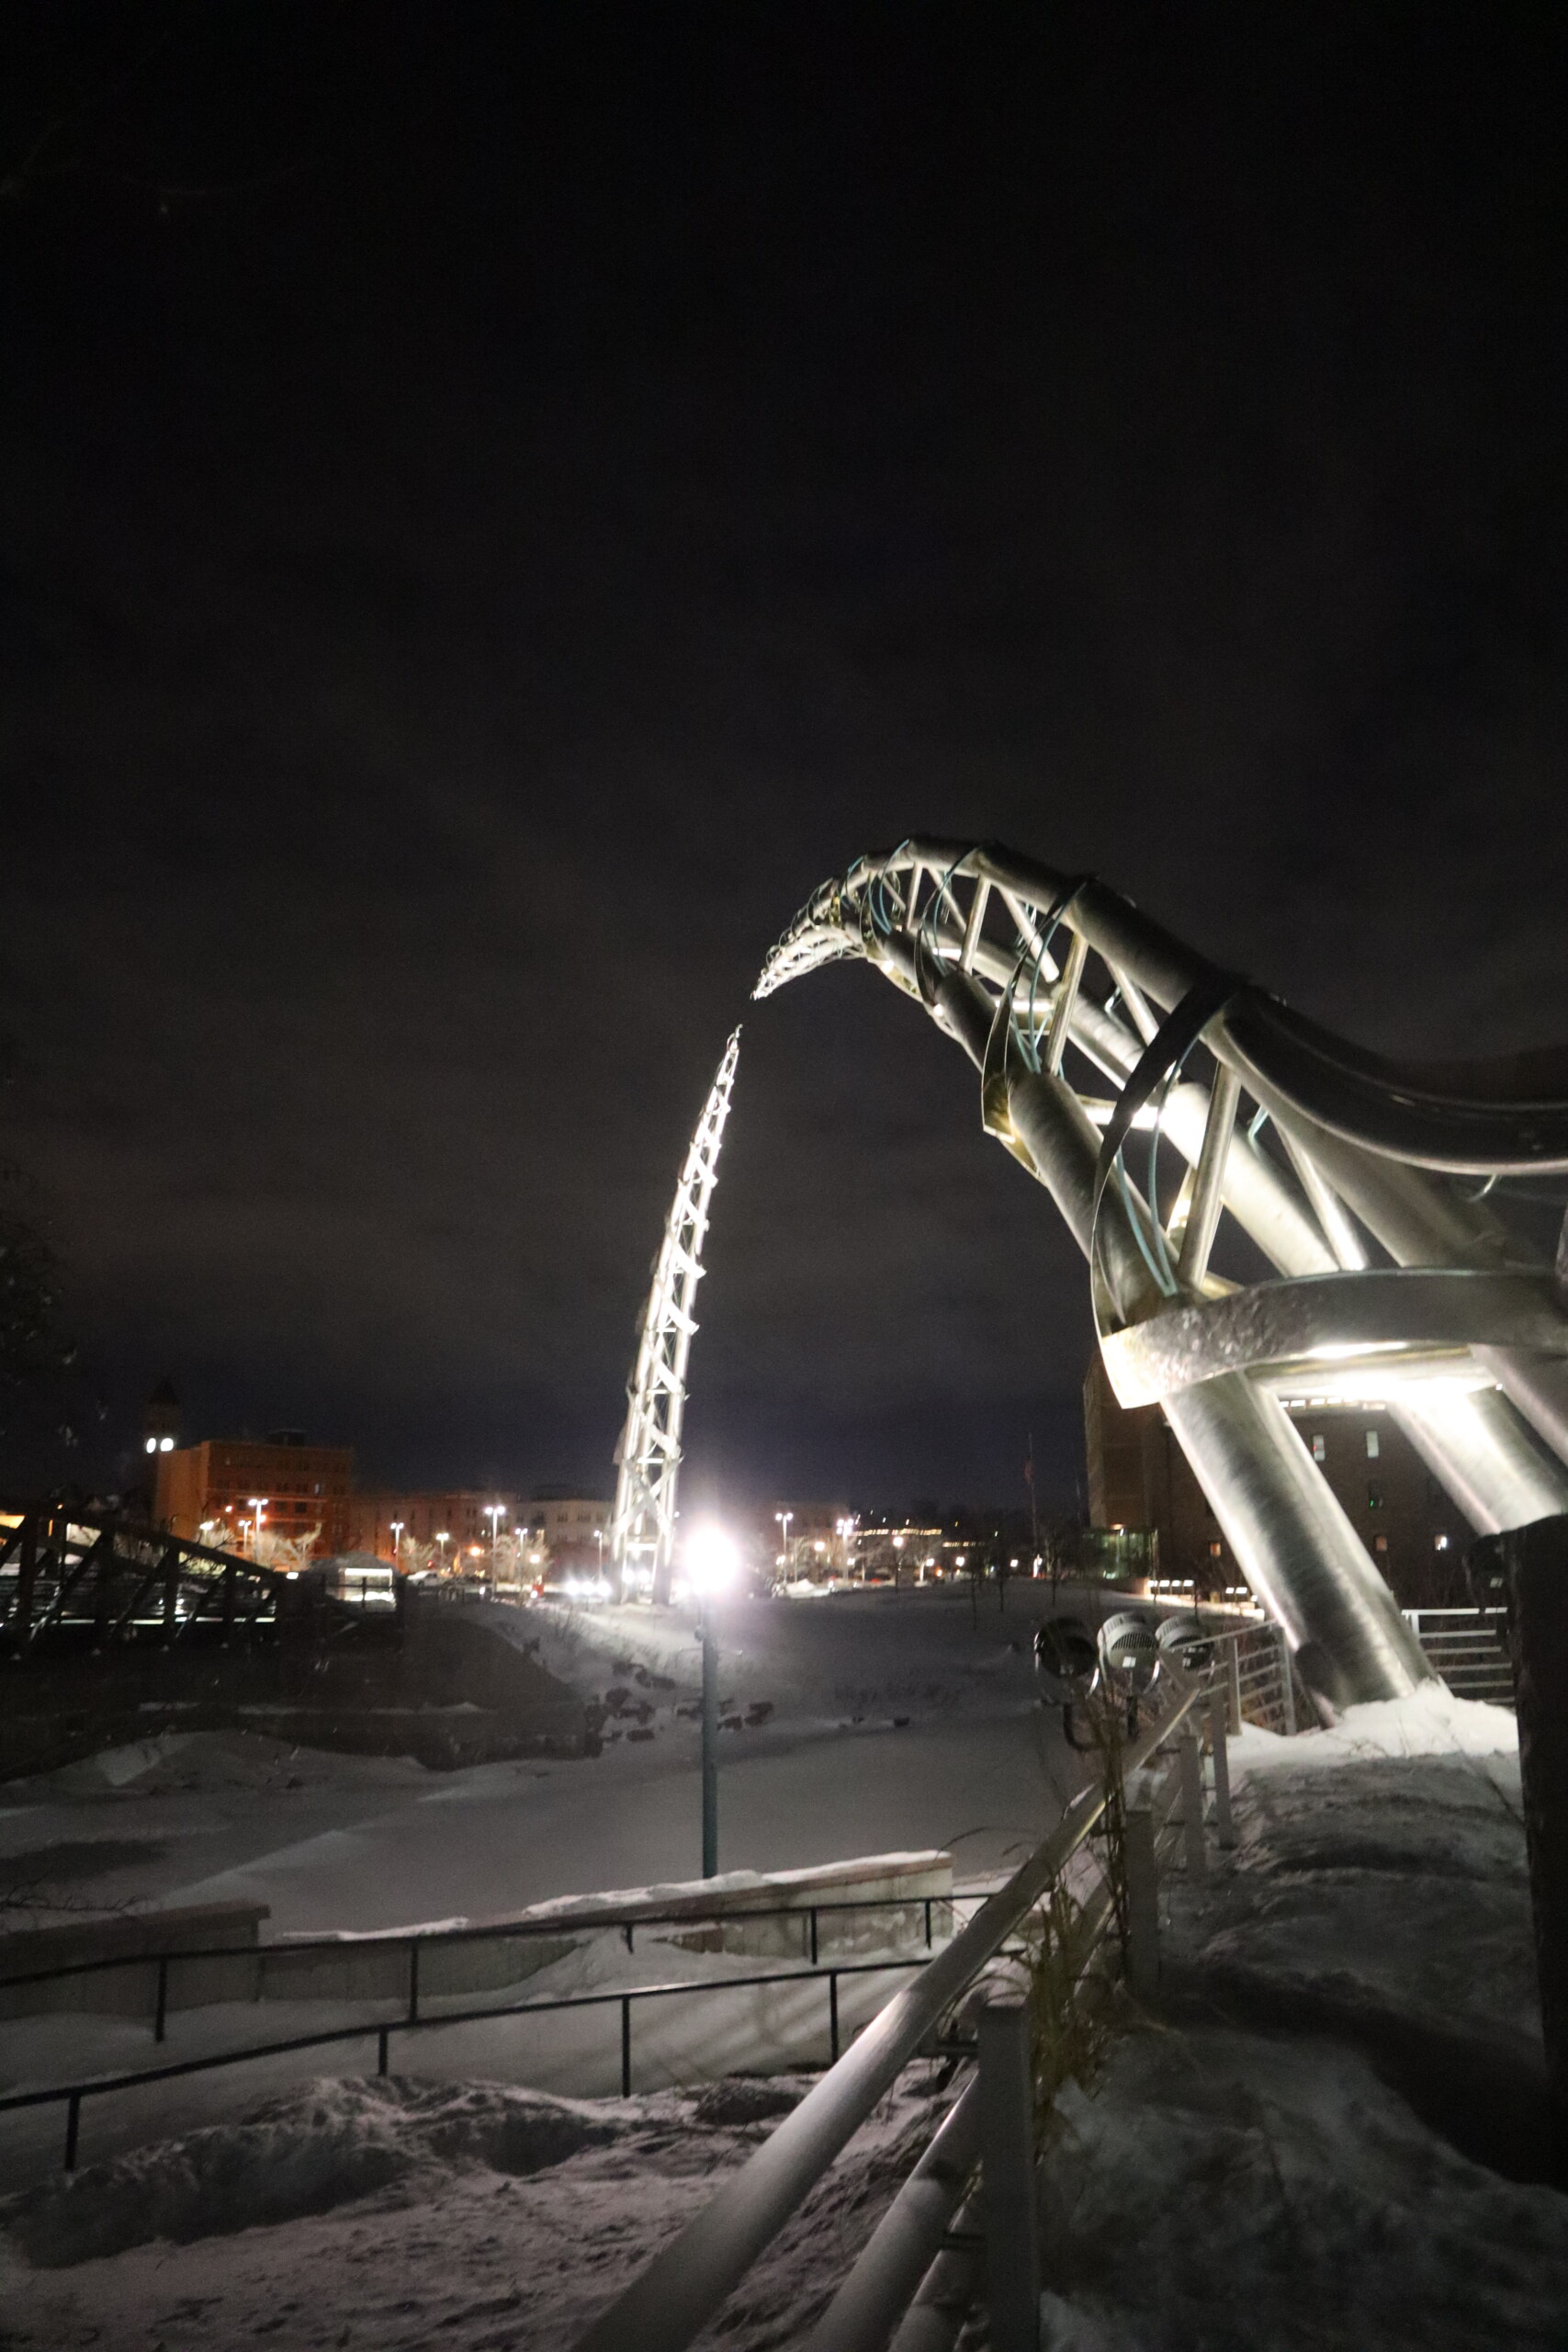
x=1216, y=1551
x=1319, y=1446
x=1380, y=1542
x=1373, y=1446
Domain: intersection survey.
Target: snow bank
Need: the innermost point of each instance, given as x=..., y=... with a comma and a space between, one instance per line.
x=1431, y=1722
x=468, y=2216
x=322, y=2146
x=1229, y=2190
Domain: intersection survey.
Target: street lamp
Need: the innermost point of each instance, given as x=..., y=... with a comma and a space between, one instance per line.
x=495, y=1513
x=397, y=1527
x=784, y=1517
x=258, y=1503
x=711, y=1563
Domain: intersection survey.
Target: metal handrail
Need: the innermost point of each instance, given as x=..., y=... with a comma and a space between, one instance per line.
x=415, y=2021
x=380, y=1939
x=669, y=2301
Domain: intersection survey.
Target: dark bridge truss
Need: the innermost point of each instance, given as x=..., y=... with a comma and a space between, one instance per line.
x=1266, y=1210
x=70, y=1573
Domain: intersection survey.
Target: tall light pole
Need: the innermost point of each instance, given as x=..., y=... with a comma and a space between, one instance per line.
x=397, y=1526
x=444, y=1539
x=495, y=1513
x=784, y=1517
x=258, y=1503
x=710, y=1567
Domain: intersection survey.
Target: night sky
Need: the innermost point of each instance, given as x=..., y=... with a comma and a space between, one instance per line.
x=499, y=502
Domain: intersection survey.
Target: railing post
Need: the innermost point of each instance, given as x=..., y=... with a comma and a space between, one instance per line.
x=160, y=2013
x=1143, y=1903
x=1287, y=1683
x=1009, y=2196
x=1193, y=1845
x=1224, y=1820
x=1233, y=1681
x=27, y=1578
x=1536, y=1561
x=413, y=1982
x=833, y=2013
x=625, y=2045
x=73, y=2128
x=814, y=1935
x=381, y=2040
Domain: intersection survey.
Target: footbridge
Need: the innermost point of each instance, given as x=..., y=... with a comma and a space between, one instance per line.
x=1263, y=1207
x=68, y=1574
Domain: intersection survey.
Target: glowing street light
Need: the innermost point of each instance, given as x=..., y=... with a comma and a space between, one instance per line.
x=784, y=1517
x=397, y=1526
x=444, y=1538
x=258, y=1503
x=495, y=1513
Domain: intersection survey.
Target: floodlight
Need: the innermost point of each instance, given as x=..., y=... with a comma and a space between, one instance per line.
x=712, y=1561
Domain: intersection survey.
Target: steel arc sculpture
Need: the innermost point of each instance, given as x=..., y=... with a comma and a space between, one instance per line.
x=647, y=1459
x=1185, y=1122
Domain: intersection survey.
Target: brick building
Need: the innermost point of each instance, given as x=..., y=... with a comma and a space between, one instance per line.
x=207, y=1492
x=573, y=1529
x=1139, y=1478
x=425, y=1516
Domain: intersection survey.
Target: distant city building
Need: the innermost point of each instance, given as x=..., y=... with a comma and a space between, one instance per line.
x=215, y=1492
x=1141, y=1485
x=806, y=1538
x=572, y=1528
x=450, y=1525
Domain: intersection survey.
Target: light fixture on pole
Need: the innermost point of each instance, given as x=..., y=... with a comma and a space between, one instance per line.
x=258, y=1503
x=444, y=1538
x=495, y=1513
x=397, y=1526
x=784, y=1517
x=711, y=1563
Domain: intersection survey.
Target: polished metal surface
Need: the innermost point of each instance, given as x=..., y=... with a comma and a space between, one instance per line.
x=1294, y=1544
x=1323, y=1158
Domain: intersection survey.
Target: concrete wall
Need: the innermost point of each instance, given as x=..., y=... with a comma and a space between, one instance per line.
x=494, y=1956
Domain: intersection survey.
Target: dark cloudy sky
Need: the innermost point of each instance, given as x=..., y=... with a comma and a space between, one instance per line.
x=499, y=502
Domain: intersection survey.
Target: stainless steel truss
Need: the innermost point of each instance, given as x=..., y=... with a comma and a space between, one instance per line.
x=642, y=1536
x=1171, y=1109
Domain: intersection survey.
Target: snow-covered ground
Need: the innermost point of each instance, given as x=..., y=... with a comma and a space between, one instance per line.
x=1286, y=2157
x=861, y=1723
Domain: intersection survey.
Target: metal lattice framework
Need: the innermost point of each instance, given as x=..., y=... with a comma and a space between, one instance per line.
x=642, y=1536
x=65, y=1571
x=1184, y=1121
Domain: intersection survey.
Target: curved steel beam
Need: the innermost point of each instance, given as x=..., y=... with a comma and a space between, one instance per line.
x=1233, y=1127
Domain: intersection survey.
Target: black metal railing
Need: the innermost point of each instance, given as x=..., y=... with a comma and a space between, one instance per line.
x=414, y=2021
